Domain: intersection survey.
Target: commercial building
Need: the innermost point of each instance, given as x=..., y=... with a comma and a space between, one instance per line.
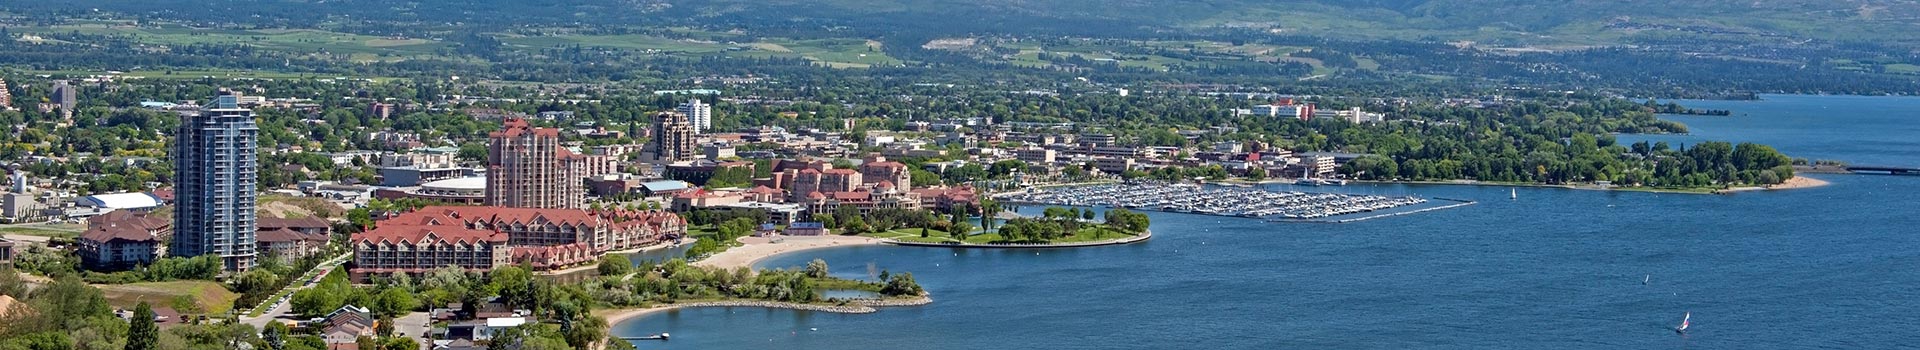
x=1113, y=165
x=1035, y=156
x=672, y=138
x=466, y=191
x=215, y=174
x=699, y=114
x=1286, y=108
x=527, y=168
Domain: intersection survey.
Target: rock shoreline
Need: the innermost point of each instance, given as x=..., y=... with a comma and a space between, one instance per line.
x=853, y=306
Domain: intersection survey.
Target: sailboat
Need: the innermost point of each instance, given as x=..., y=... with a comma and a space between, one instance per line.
x=1684, y=322
x=1513, y=193
x=1644, y=280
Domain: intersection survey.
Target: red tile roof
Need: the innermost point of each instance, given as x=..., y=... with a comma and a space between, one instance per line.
x=116, y=231
x=286, y=235
x=448, y=234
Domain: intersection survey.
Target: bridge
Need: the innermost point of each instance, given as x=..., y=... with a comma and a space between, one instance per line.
x=1890, y=170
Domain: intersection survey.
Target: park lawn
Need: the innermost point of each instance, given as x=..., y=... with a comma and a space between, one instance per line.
x=60, y=230
x=188, y=297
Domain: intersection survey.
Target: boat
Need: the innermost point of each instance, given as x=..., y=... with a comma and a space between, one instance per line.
x=1513, y=193
x=1684, y=322
x=661, y=336
x=1307, y=182
x=1643, y=280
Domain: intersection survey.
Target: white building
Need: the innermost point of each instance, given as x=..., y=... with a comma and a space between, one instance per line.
x=1286, y=109
x=699, y=114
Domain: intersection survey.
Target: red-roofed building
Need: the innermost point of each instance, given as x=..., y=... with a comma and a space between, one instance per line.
x=482, y=238
x=943, y=199
x=122, y=239
x=878, y=168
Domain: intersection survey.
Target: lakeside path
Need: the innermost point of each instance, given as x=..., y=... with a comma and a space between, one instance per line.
x=757, y=248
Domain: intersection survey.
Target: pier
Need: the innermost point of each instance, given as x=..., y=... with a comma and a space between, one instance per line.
x=1890, y=170
x=1188, y=198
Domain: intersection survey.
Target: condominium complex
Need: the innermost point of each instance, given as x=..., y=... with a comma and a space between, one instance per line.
x=527, y=168
x=483, y=238
x=215, y=171
x=699, y=114
x=673, y=139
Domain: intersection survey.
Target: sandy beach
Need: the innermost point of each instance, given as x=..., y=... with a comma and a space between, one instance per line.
x=1797, y=182
x=757, y=248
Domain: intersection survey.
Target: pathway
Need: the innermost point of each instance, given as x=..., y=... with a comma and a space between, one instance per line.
x=276, y=307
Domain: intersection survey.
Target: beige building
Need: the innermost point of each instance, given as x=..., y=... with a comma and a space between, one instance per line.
x=527, y=168
x=673, y=139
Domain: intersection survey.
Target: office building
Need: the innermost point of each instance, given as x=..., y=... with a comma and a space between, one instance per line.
x=215, y=171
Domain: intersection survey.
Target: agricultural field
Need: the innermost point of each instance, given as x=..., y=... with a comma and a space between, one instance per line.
x=359, y=48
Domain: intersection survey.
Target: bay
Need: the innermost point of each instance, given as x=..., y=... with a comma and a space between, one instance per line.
x=1828, y=267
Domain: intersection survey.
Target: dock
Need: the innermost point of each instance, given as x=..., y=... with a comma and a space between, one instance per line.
x=1221, y=201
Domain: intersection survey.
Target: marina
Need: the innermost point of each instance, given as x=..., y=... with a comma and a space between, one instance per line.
x=1223, y=201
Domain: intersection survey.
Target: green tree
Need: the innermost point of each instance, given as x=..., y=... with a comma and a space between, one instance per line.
x=142, y=333
x=817, y=268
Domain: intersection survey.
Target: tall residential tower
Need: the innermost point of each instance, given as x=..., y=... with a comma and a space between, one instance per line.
x=214, y=178
x=672, y=138
x=527, y=168
x=699, y=114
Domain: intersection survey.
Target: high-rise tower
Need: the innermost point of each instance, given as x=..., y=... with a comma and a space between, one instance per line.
x=215, y=171
x=699, y=114
x=527, y=168
x=672, y=138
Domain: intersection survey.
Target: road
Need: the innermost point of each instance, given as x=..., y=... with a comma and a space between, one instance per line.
x=280, y=311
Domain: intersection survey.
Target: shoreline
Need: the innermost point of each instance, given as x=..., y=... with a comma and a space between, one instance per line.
x=1797, y=182
x=755, y=249
x=596, y=265
x=1117, y=241
x=615, y=316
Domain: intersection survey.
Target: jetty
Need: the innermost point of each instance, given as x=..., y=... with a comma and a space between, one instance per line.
x=1222, y=201
x=1889, y=170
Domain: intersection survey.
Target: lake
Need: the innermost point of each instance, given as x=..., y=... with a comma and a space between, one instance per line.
x=1554, y=269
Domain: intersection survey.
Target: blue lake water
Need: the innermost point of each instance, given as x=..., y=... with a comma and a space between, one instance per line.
x=1830, y=267
x=1858, y=129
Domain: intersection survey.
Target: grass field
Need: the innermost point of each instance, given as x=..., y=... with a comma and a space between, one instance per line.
x=198, y=74
x=359, y=47
x=838, y=53
x=185, y=296
x=60, y=230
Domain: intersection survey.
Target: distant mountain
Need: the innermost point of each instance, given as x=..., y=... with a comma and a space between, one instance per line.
x=1498, y=22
